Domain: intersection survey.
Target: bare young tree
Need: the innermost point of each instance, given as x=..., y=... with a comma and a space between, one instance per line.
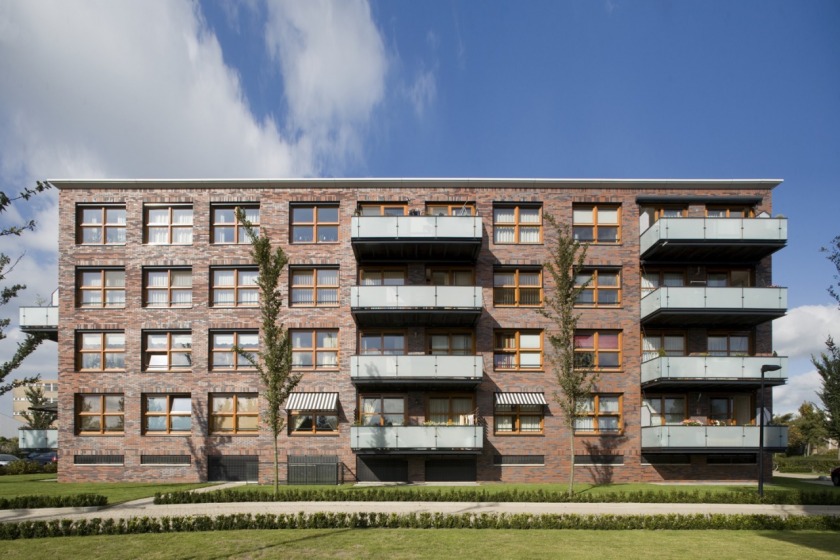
x=273, y=361
x=573, y=373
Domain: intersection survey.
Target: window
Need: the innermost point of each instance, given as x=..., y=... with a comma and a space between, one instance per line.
x=722, y=411
x=234, y=413
x=313, y=422
x=728, y=344
x=518, y=418
x=729, y=278
x=666, y=410
x=226, y=229
x=382, y=343
x=450, y=344
x=169, y=225
x=100, y=414
x=517, y=287
x=381, y=276
x=165, y=351
x=517, y=224
x=101, y=287
x=662, y=344
x=450, y=209
x=518, y=460
x=599, y=414
x=453, y=410
x=314, y=348
x=222, y=355
x=729, y=212
x=235, y=287
x=518, y=350
x=100, y=351
x=450, y=276
x=598, y=349
x=101, y=225
x=383, y=209
x=167, y=414
x=653, y=279
x=594, y=223
x=168, y=287
x=314, y=224
x=314, y=287
x=382, y=410
x=659, y=212
x=602, y=287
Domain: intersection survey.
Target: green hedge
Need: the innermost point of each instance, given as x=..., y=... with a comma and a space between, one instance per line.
x=801, y=464
x=31, y=502
x=138, y=525
x=787, y=497
x=24, y=467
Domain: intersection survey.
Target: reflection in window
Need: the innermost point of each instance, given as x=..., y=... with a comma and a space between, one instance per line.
x=167, y=414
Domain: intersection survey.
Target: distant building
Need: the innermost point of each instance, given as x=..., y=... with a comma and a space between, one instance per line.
x=20, y=403
x=414, y=312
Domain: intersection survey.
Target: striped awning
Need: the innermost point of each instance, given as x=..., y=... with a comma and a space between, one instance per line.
x=520, y=398
x=312, y=401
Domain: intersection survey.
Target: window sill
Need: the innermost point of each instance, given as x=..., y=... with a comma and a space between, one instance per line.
x=97, y=434
x=598, y=434
x=234, y=434
x=164, y=434
x=314, y=434
x=519, y=434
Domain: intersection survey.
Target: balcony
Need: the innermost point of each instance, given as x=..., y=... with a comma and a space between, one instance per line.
x=417, y=439
x=39, y=320
x=687, y=306
x=445, y=238
x=712, y=439
x=397, y=306
x=426, y=370
x=708, y=372
x=37, y=439
x=713, y=239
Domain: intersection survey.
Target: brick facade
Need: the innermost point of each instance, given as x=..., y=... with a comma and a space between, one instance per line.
x=201, y=319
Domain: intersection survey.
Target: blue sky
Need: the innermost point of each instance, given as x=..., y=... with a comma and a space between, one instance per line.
x=660, y=89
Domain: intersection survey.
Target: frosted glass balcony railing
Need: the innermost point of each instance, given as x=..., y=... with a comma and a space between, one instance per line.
x=712, y=368
x=33, y=318
x=705, y=298
x=37, y=439
x=719, y=437
x=416, y=227
x=406, y=368
x=748, y=230
x=416, y=297
x=439, y=438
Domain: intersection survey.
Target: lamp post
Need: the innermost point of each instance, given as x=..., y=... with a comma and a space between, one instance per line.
x=764, y=369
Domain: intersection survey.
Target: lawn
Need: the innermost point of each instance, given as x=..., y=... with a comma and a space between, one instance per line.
x=116, y=492
x=442, y=543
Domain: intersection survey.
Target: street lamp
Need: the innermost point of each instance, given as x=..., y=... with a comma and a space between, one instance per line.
x=764, y=369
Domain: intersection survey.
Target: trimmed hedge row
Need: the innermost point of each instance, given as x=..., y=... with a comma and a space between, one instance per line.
x=814, y=463
x=32, y=502
x=785, y=497
x=139, y=525
x=28, y=467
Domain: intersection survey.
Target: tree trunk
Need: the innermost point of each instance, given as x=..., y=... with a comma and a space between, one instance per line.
x=572, y=463
x=276, y=470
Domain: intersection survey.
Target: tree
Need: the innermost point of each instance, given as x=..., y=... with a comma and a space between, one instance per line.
x=808, y=428
x=31, y=342
x=37, y=417
x=273, y=361
x=834, y=257
x=574, y=375
x=828, y=366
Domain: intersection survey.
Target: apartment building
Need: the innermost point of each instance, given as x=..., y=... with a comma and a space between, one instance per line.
x=413, y=307
x=20, y=402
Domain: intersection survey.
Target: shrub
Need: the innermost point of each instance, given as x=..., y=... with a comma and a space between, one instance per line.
x=802, y=464
x=32, y=502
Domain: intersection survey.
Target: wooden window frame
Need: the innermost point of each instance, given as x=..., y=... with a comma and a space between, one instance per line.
x=728, y=271
x=382, y=333
x=103, y=413
x=382, y=413
x=660, y=276
x=597, y=351
x=516, y=412
x=596, y=414
x=103, y=226
x=235, y=414
x=455, y=209
x=235, y=366
x=168, y=414
x=315, y=349
x=595, y=286
x=372, y=271
x=449, y=333
x=169, y=351
x=170, y=225
x=517, y=223
x=103, y=351
x=452, y=418
x=169, y=289
x=517, y=287
x=383, y=206
x=315, y=224
x=742, y=210
x=450, y=272
x=314, y=431
x=102, y=289
x=596, y=207
x=661, y=336
x=236, y=287
x=750, y=336
x=315, y=287
x=661, y=415
x=240, y=237
x=516, y=351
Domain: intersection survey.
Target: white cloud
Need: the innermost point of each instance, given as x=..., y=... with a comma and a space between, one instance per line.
x=423, y=91
x=799, y=389
x=803, y=331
